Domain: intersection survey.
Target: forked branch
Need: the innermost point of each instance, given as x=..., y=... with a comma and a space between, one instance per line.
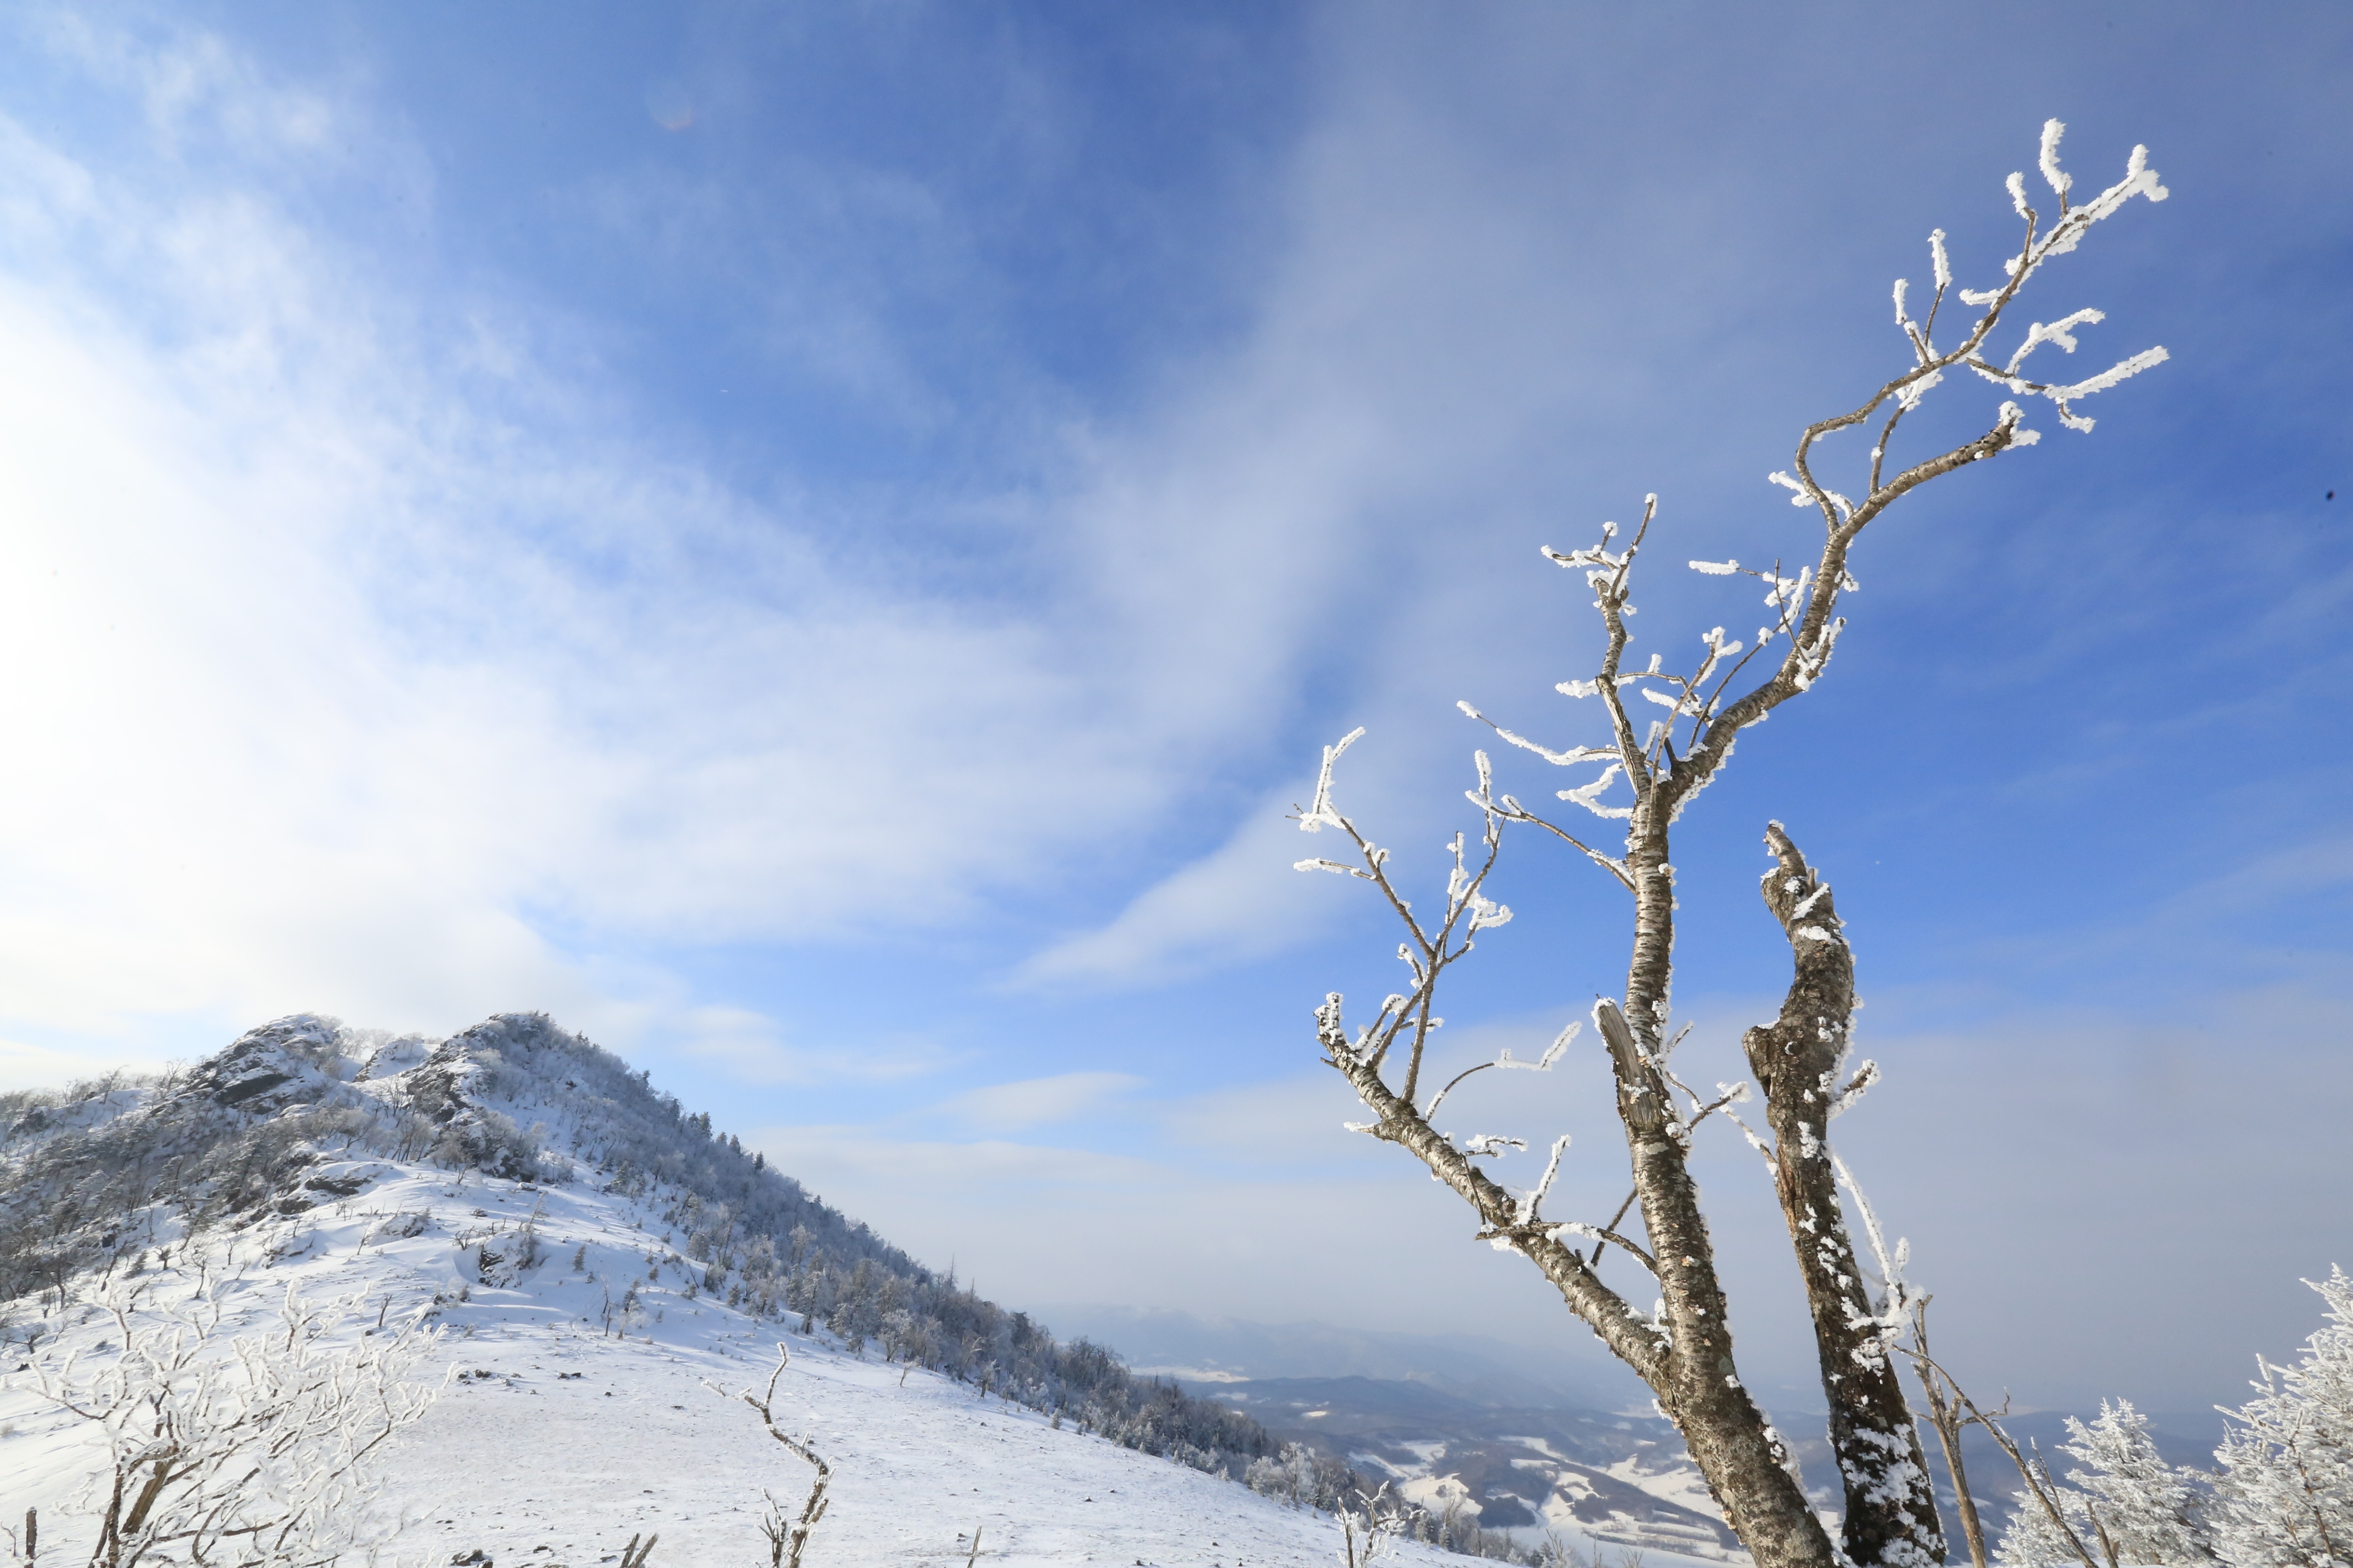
x=1798, y=1061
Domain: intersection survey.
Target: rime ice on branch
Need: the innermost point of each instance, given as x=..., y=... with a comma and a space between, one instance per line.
x=1668, y=733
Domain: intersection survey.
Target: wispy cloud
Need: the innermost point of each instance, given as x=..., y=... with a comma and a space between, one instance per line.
x=1241, y=902
x=755, y=1048
x=459, y=688
x=1040, y=1101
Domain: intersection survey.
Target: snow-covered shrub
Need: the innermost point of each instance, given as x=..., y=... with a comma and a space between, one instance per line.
x=1303, y=1478
x=490, y=1143
x=247, y=1449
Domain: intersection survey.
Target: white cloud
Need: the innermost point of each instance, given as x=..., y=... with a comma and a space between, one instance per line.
x=1293, y=1121
x=367, y=653
x=379, y=669
x=1040, y=1101
x=867, y=1159
x=1030, y=1222
x=755, y=1048
x=26, y=1065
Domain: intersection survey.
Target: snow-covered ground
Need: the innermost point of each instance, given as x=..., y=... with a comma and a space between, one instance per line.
x=559, y=1438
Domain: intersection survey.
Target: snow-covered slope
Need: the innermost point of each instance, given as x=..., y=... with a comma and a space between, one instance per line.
x=581, y=1344
x=558, y=1440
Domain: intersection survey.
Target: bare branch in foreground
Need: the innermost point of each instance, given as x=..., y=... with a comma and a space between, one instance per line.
x=252, y=1446
x=2036, y=1474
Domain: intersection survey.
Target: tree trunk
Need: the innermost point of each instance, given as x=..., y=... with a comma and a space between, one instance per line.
x=1891, y=1502
x=1746, y=1465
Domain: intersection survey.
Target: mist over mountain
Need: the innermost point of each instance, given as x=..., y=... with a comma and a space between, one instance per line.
x=1461, y=1418
x=1467, y=1366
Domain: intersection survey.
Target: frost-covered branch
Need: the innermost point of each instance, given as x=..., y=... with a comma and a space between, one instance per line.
x=1430, y=949
x=788, y=1537
x=1954, y=1412
x=1805, y=622
x=1599, y=1234
x=1369, y=1531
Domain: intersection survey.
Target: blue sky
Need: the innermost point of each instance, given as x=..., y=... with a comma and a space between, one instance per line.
x=817, y=545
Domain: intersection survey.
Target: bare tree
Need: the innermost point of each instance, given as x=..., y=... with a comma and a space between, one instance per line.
x=1684, y=1349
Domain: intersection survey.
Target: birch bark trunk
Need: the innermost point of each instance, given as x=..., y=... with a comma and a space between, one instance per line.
x=1891, y=1504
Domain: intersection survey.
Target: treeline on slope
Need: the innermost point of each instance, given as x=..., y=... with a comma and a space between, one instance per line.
x=768, y=1248
x=95, y=1176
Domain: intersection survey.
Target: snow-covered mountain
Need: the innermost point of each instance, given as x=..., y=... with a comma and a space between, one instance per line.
x=596, y=1259
x=1624, y=1478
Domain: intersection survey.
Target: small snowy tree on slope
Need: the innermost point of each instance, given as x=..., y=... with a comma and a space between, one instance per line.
x=1683, y=1349
x=2129, y=1505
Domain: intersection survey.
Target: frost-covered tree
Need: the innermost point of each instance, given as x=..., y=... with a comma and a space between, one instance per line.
x=2042, y=1532
x=1303, y=1478
x=1649, y=771
x=2283, y=1497
x=243, y=1450
x=2126, y=1504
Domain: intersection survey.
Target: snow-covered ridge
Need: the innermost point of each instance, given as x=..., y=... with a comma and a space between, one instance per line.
x=91, y=1183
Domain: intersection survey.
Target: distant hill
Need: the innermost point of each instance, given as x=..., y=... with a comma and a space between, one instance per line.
x=1426, y=1409
x=1493, y=1433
